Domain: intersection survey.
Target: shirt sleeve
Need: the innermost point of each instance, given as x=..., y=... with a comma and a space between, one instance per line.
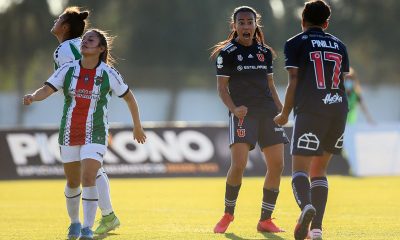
x=268, y=59
x=63, y=55
x=117, y=84
x=224, y=64
x=56, y=81
x=291, y=59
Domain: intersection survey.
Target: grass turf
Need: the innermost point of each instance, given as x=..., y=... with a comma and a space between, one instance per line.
x=188, y=208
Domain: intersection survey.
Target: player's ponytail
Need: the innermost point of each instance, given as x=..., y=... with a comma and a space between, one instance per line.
x=77, y=21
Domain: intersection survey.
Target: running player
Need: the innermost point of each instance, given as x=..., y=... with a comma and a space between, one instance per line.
x=316, y=63
x=246, y=86
x=68, y=29
x=87, y=85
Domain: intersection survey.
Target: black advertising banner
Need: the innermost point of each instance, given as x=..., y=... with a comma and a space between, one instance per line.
x=170, y=151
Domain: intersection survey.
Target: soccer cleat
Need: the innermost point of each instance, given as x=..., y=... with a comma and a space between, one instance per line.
x=107, y=224
x=306, y=216
x=74, y=231
x=86, y=234
x=268, y=226
x=315, y=234
x=223, y=224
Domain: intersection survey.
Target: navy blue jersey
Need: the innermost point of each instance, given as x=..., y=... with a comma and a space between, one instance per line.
x=322, y=61
x=247, y=69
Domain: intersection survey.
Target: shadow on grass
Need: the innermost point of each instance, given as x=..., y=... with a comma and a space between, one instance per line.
x=266, y=236
x=105, y=235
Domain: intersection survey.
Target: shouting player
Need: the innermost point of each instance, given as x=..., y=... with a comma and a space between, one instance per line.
x=246, y=87
x=316, y=63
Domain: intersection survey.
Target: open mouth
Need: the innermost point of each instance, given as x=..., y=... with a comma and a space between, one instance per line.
x=246, y=35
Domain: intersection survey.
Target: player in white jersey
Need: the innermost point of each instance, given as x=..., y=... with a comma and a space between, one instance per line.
x=68, y=29
x=87, y=85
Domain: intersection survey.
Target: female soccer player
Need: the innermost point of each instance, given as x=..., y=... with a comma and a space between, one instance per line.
x=246, y=86
x=316, y=63
x=68, y=29
x=87, y=85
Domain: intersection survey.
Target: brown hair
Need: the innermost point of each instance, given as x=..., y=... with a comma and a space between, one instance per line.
x=316, y=12
x=77, y=21
x=106, y=41
x=259, y=35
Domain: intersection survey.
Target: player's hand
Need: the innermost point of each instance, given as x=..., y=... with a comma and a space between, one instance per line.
x=240, y=112
x=281, y=119
x=27, y=99
x=139, y=135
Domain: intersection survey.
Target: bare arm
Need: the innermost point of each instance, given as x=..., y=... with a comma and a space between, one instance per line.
x=275, y=96
x=138, y=132
x=40, y=94
x=283, y=117
x=222, y=85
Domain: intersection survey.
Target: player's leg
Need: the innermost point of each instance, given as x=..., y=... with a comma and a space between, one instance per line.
x=242, y=139
x=109, y=220
x=72, y=192
x=91, y=163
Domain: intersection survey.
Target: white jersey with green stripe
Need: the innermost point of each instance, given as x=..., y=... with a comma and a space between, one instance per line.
x=87, y=93
x=67, y=51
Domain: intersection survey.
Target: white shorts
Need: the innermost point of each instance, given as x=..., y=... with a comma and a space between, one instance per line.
x=78, y=153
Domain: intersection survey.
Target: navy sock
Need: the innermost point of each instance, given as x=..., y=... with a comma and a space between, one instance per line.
x=301, y=189
x=319, y=197
x=268, y=203
x=231, y=194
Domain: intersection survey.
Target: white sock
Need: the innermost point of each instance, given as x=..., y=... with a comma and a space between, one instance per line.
x=89, y=202
x=73, y=198
x=103, y=188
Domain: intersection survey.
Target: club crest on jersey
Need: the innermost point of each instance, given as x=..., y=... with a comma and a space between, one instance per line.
x=86, y=79
x=241, y=132
x=260, y=57
x=240, y=57
x=98, y=81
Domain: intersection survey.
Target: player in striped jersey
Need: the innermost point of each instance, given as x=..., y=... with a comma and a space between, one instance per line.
x=87, y=85
x=68, y=29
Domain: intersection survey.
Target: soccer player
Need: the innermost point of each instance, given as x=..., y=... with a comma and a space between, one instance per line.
x=87, y=85
x=316, y=63
x=353, y=91
x=246, y=87
x=68, y=29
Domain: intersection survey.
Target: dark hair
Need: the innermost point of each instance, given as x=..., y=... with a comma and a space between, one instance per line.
x=76, y=19
x=316, y=12
x=259, y=35
x=106, y=41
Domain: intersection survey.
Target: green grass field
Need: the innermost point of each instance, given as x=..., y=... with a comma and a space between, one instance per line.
x=188, y=208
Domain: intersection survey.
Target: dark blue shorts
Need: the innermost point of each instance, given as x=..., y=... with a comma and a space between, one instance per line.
x=255, y=129
x=313, y=134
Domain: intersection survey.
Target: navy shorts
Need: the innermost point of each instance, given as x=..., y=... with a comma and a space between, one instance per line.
x=313, y=134
x=255, y=129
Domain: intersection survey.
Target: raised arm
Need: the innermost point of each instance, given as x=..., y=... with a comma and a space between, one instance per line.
x=138, y=132
x=39, y=95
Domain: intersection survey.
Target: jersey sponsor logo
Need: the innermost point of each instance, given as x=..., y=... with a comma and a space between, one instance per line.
x=240, y=68
x=220, y=60
x=240, y=57
x=254, y=67
x=308, y=141
x=324, y=44
x=260, y=57
x=329, y=99
x=98, y=80
x=250, y=56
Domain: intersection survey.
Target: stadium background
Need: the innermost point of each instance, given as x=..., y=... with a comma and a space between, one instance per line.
x=162, y=48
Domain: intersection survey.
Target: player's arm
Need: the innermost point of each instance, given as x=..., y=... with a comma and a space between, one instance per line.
x=283, y=117
x=223, y=92
x=39, y=95
x=138, y=132
x=275, y=96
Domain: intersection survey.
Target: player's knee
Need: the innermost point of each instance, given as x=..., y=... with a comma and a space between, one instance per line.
x=88, y=178
x=73, y=182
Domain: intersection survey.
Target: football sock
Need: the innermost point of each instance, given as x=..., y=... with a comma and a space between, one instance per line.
x=301, y=189
x=231, y=194
x=73, y=198
x=103, y=188
x=89, y=202
x=319, y=197
x=268, y=203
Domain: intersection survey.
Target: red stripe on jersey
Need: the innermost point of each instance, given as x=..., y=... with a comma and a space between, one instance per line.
x=83, y=93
